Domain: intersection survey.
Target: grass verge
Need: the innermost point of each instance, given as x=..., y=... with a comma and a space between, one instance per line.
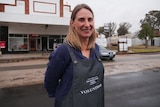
x=142, y=48
x=139, y=48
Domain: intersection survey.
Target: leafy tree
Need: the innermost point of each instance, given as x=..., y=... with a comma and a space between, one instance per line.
x=100, y=30
x=153, y=18
x=146, y=33
x=123, y=28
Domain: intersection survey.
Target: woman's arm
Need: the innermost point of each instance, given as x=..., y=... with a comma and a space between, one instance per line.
x=56, y=66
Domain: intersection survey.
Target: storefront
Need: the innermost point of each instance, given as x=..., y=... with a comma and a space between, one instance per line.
x=33, y=42
x=29, y=25
x=18, y=41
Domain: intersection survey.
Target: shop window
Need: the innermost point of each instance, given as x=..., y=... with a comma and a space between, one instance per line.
x=18, y=42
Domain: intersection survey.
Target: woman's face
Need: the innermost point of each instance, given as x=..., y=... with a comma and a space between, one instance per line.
x=83, y=23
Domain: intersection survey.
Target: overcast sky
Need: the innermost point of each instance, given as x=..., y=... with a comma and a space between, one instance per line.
x=118, y=11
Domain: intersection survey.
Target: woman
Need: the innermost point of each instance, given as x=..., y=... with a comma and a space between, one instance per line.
x=75, y=73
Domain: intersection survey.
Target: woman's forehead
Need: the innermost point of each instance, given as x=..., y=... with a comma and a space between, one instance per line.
x=84, y=13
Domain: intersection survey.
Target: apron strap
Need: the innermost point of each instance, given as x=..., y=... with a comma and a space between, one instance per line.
x=97, y=55
x=74, y=59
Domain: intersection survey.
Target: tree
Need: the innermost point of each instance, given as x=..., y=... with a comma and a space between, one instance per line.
x=123, y=28
x=111, y=29
x=146, y=33
x=100, y=30
x=153, y=18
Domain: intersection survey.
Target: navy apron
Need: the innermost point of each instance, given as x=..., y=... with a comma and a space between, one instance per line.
x=87, y=88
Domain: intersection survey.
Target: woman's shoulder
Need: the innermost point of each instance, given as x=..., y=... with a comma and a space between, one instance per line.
x=96, y=47
x=61, y=52
x=62, y=47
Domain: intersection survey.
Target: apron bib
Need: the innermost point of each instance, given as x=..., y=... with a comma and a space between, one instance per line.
x=87, y=88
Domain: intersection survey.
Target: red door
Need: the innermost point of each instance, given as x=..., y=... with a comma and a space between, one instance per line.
x=32, y=44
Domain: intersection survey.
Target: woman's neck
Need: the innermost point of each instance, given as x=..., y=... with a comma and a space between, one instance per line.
x=84, y=44
x=84, y=48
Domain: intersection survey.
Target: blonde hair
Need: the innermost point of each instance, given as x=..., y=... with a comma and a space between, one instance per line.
x=72, y=36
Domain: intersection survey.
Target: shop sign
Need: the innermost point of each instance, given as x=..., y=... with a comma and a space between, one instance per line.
x=2, y=44
x=34, y=35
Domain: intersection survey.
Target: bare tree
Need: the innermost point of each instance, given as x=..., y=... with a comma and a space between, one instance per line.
x=111, y=29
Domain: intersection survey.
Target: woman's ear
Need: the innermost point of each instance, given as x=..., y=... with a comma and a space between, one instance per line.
x=71, y=23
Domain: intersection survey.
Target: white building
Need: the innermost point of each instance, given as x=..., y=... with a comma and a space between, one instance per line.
x=101, y=40
x=32, y=25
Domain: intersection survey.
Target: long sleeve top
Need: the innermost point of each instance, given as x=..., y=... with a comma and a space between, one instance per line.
x=59, y=72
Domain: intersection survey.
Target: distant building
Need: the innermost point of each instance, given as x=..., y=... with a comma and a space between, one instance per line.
x=124, y=38
x=32, y=25
x=101, y=40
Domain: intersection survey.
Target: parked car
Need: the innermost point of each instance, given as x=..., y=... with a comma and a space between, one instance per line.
x=106, y=54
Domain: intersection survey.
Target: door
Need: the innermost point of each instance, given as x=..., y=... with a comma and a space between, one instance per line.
x=44, y=44
x=32, y=44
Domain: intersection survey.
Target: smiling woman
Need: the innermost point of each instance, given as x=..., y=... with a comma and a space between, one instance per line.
x=79, y=82
x=82, y=28
x=83, y=24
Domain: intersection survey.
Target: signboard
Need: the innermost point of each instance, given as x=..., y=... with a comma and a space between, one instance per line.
x=33, y=34
x=106, y=27
x=2, y=44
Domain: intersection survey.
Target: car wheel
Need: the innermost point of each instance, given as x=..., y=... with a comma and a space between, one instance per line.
x=111, y=58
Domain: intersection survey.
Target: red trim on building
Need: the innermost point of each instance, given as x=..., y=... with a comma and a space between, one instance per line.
x=61, y=8
x=26, y=6
x=34, y=9
x=1, y=7
x=69, y=7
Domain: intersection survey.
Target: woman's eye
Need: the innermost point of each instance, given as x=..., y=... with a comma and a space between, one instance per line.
x=81, y=19
x=90, y=19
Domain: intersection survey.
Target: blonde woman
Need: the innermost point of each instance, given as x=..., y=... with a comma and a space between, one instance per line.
x=74, y=75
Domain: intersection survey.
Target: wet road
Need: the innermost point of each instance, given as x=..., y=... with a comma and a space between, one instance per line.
x=123, y=86
x=138, y=89
x=119, y=58
x=11, y=68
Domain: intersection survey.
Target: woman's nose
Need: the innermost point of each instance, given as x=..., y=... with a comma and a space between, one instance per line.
x=87, y=23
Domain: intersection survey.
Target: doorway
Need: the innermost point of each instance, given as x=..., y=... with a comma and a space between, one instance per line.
x=44, y=44
x=32, y=44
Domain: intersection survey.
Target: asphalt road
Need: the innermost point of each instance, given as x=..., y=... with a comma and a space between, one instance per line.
x=20, y=67
x=120, y=58
x=138, y=89
x=122, y=89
